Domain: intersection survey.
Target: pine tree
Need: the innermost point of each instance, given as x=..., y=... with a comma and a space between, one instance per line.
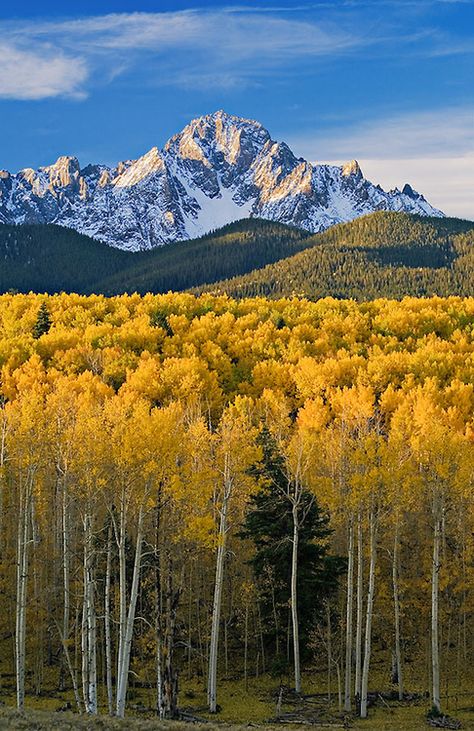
x=160, y=319
x=43, y=322
x=269, y=524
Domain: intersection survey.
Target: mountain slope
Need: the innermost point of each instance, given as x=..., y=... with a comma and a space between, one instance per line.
x=49, y=258
x=219, y=169
x=238, y=248
x=380, y=255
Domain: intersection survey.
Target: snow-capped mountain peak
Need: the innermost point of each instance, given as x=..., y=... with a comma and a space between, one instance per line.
x=352, y=168
x=149, y=164
x=218, y=169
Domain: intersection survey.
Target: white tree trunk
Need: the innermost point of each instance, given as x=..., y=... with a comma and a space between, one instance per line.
x=349, y=602
x=435, y=611
x=359, y=602
x=120, y=536
x=89, y=630
x=71, y=670
x=216, y=608
x=21, y=590
x=108, y=637
x=339, y=686
x=246, y=645
x=3, y=459
x=329, y=649
x=160, y=701
x=396, y=609
x=294, y=599
x=122, y=681
x=84, y=649
x=65, y=568
x=369, y=614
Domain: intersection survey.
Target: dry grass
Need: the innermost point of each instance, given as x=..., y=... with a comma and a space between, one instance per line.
x=240, y=708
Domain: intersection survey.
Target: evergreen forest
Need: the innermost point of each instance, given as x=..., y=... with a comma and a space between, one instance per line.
x=384, y=254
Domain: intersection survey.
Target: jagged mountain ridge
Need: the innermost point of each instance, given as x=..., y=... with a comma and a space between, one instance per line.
x=219, y=169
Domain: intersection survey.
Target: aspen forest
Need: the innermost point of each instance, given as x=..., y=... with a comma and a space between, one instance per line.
x=213, y=508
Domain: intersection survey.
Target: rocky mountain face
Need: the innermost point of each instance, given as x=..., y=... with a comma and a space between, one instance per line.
x=219, y=169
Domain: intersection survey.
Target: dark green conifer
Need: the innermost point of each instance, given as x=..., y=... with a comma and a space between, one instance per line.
x=160, y=319
x=269, y=524
x=43, y=322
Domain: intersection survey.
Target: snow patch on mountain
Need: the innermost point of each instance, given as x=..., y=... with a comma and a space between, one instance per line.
x=213, y=213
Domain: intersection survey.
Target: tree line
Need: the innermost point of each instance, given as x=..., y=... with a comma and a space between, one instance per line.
x=192, y=484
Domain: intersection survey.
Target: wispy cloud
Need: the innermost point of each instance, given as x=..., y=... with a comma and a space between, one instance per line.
x=237, y=45
x=41, y=73
x=226, y=48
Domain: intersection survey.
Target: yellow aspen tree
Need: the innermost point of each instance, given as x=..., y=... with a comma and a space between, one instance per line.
x=437, y=454
x=24, y=445
x=234, y=453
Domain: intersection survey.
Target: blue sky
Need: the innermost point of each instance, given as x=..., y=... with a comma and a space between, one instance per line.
x=389, y=82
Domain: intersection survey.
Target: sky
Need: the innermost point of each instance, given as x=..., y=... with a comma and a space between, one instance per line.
x=387, y=82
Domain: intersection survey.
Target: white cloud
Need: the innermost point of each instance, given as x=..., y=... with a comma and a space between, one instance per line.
x=229, y=31
x=40, y=73
x=233, y=47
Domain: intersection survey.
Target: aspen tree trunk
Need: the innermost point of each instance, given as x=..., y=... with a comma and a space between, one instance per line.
x=65, y=568
x=108, y=636
x=369, y=613
x=226, y=650
x=329, y=648
x=170, y=686
x=275, y=619
x=359, y=602
x=216, y=609
x=349, y=602
x=159, y=624
x=435, y=611
x=3, y=459
x=84, y=649
x=89, y=641
x=72, y=672
x=21, y=590
x=122, y=680
x=190, y=619
x=396, y=607
x=246, y=645
x=120, y=538
x=160, y=703
x=92, y=648
x=339, y=686
x=260, y=636
x=294, y=599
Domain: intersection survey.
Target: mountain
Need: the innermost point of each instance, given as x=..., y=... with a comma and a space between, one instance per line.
x=384, y=254
x=50, y=258
x=219, y=169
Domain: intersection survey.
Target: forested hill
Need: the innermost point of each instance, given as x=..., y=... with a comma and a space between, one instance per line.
x=381, y=255
x=49, y=258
